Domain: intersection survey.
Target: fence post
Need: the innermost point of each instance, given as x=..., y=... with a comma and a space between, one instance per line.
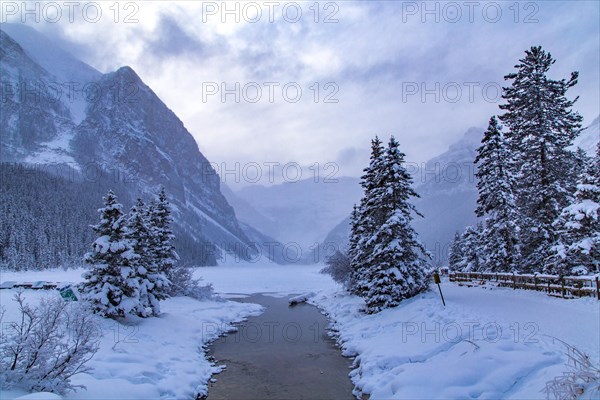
x=562, y=285
x=535, y=282
x=597, y=288
x=514, y=281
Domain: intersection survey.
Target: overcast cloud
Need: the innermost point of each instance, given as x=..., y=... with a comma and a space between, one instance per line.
x=370, y=61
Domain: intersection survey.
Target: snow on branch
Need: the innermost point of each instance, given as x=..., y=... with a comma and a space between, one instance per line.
x=47, y=345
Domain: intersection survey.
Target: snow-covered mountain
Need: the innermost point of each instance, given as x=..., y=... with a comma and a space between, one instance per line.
x=308, y=213
x=119, y=128
x=448, y=191
x=300, y=212
x=249, y=217
x=589, y=138
x=61, y=64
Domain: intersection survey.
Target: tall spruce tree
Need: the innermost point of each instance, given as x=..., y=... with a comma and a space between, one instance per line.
x=541, y=128
x=472, y=243
x=456, y=254
x=397, y=263
x=353, y=247
x=144, y=264
x=111, y=285
x=366, y=219
x=577, y=249
x=496, y=202
x=161, y=243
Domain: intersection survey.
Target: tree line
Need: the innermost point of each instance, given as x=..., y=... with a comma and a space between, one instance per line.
x=133, y=261
x=538, y=199
x=45, y=219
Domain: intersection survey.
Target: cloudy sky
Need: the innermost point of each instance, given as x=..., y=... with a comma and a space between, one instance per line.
x=423, y=71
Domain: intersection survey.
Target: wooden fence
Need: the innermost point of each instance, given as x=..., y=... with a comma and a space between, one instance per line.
x=554, y=285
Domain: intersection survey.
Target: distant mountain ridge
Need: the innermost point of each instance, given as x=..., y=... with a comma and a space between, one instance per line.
x=120, y=126
x=299, y=212
x=320, y=211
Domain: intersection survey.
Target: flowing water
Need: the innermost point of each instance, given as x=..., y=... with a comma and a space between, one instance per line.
x=285, y=353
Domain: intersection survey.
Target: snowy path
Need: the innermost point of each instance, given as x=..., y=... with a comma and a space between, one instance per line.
x=284, y=353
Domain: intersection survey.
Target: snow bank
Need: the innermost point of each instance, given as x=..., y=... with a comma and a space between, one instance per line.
x=40, y=396
x=154, y=357
x=484, y=344
x=303, y=298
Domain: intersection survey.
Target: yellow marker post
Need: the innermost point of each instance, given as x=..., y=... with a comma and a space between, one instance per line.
x=437, y=281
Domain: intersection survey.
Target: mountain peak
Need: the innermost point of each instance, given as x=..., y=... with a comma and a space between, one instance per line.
x=471, y=139
x=128, y=72
x=50, y=56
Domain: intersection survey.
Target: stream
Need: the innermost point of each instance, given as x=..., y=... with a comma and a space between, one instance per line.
x=285, y=353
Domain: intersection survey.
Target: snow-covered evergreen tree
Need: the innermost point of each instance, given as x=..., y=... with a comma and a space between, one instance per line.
x=144, y=264
x=111, y=286
x=581, y=161
x=366, y=220
x=353, y=248
x=496, y=202
x=456, y=254
x=161, y=243
x=541, y=128
x=396, y=266
x=339, y=268
x=577, y=250
x=471, y=243
x=354, y=232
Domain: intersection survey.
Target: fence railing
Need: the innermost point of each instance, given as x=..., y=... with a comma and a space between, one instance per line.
x=554, y=285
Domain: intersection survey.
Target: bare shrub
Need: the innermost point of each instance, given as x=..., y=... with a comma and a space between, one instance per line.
x=47, y=345
x=582, y=380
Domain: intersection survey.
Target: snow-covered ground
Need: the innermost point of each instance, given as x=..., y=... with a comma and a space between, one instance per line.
x=491, y=344
x=485, y=343
x=143, y=358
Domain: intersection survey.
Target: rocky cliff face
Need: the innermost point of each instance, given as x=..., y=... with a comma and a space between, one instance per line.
x=110, y=124
x=30, y=114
